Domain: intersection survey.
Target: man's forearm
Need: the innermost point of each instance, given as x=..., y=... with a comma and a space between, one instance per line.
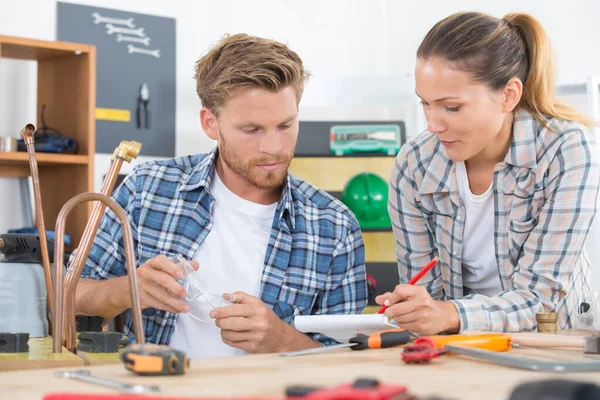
x=296, y=340
x=102, y=298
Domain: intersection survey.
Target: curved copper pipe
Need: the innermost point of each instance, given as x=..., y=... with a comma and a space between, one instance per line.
x=58, y=316
x=126, y=151
x=27, y=136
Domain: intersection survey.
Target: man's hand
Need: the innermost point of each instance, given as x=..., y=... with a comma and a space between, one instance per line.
x=413, y=308
x=252, y=326
x=158, y=286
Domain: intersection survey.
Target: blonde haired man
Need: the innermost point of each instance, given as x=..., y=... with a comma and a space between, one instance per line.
x=276, y=246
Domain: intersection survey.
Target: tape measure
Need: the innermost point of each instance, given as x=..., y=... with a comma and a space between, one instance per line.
x=154, y=359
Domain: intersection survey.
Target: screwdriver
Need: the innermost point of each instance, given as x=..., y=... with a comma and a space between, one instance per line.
x=377, y=340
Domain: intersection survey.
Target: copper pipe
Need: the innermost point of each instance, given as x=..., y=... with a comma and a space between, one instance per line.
x=126, y=151
x=27, y=136
x=129, y=261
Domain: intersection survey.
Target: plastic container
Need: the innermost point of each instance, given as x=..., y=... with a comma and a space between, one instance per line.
x=198, y=295
x=23, y=299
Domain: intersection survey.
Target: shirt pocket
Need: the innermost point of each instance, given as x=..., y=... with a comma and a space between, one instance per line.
x=291, y=302
x=518, y=235
x=146, y=252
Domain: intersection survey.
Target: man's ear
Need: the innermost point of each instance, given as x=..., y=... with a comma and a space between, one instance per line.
x=512, y=94
x=208, y=120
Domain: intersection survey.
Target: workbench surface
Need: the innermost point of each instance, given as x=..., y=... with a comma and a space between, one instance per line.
x=452, y=377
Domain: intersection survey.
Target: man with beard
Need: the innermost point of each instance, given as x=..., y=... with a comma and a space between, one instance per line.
x=270, y=244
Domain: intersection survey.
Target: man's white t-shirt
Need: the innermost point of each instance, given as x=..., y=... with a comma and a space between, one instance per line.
x=231, y=258
x=480, y=272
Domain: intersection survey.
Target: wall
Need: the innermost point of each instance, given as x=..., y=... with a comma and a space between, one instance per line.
x=360, y=52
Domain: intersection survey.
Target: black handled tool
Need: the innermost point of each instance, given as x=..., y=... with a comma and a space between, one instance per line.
x=143, y=109
x=18, y=247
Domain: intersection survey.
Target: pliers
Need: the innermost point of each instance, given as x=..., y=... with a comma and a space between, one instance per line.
x=143, y=111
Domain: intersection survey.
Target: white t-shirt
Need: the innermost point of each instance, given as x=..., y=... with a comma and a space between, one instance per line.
x=231, y=258
x=480, y=271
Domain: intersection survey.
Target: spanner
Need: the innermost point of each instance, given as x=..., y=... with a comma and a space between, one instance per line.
x=132, y=49
x=122, y=38
x=110, y=29
x=99, y=19
x=85, y=376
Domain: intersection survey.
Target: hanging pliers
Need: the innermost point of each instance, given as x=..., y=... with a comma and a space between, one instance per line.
x=143, y=111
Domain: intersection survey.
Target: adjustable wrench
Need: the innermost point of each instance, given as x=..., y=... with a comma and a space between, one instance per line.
x=85, y=376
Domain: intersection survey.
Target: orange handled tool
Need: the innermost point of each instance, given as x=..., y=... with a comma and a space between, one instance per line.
x=377, y=340
x=487, y=341
x=381, y=340
x=427, y=347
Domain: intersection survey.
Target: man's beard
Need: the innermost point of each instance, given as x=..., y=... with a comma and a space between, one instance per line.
x=250, y=171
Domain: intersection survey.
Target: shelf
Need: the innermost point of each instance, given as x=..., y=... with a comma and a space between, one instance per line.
x=38, y=50
x=21, y=157
x=66, y=86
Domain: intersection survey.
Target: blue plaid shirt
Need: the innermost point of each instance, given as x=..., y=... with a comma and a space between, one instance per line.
x=315, y=257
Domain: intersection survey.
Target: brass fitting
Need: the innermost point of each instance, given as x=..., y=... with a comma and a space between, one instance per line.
x=127, y=150
x=27, y=133
x=546, y=322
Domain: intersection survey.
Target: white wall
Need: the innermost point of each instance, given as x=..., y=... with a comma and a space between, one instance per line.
x=361, y=54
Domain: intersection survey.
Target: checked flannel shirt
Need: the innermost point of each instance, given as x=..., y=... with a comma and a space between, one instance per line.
x=315, y=257
x=545, y=199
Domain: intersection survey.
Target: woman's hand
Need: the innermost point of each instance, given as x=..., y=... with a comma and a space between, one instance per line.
x=414, y=309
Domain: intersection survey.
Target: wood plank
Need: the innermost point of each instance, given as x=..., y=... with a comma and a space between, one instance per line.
x=40, y=355
x=58, y=185
x=100, y=358
x=22, y=158
x=14, y=171
x=267, y=376
x=65, y=88
x=332, y=173
x=72, y=80
x=33, y=49
x=379, y=246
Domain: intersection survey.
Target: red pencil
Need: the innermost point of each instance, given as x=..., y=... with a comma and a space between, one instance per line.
x=415, y=279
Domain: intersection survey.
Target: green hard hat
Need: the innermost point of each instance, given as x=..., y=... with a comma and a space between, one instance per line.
x=366, y=195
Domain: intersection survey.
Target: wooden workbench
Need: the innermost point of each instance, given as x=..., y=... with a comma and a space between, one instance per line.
x=453, y=377
x=40, y=355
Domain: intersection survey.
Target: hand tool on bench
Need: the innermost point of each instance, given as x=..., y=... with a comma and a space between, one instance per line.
x=154, y=359
x=85, y=376
x=361, y=389
x=521, y=362
x=587, y=344
x=377, y=340
x=428, y=347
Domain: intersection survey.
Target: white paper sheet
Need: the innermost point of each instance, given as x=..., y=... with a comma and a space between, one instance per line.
x=343, y=327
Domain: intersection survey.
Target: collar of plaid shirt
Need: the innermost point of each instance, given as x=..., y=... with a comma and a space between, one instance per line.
x=522, y=153
x=314, y=262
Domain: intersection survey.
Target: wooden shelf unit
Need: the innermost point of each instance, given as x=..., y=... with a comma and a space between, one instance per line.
x=66, y=84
